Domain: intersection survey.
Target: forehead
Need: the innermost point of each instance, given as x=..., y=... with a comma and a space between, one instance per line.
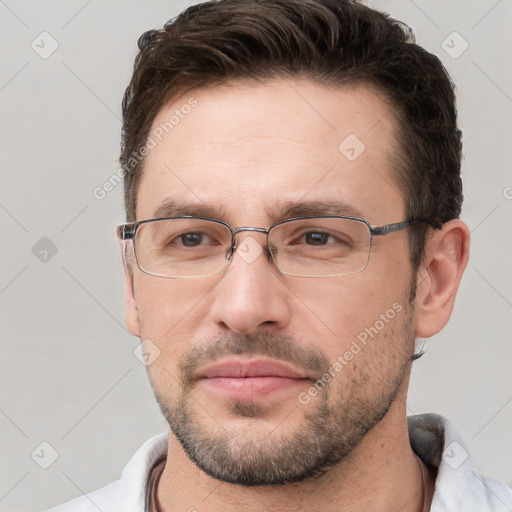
x=245, y=149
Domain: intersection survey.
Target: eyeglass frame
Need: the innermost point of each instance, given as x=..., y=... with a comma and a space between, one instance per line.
x=128, y=230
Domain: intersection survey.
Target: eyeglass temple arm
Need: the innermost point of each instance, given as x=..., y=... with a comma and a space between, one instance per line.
x=126, y=231
x=398, y=226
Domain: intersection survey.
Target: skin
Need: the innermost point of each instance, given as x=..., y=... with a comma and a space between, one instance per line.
x=244, y=149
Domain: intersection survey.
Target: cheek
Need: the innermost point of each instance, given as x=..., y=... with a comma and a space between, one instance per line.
x=350, y=308
x=170, y=311
x=171, y=308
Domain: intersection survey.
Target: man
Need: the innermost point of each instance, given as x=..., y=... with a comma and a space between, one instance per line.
x=292, y=191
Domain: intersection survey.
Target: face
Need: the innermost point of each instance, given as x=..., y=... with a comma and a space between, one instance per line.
x=268, y=378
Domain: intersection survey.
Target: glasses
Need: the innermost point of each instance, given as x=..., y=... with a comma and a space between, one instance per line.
x=192, y=247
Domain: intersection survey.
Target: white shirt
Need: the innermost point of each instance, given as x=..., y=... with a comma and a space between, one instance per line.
x=459, y=487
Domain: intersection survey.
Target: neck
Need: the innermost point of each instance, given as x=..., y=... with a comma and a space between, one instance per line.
x=382, y=473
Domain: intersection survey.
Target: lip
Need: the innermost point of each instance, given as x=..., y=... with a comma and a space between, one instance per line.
x=250, y=379
x=243, y=368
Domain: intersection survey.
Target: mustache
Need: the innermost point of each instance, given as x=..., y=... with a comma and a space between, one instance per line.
x=278, y=347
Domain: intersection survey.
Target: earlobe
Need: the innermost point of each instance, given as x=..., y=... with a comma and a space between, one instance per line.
x=439, y=276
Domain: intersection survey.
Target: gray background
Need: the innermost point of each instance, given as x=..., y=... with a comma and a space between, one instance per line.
x=69, y=376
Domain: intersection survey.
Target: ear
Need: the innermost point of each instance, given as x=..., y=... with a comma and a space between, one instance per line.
x=131, y=312
x=439, y=275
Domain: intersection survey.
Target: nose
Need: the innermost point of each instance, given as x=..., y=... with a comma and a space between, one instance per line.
x=251, y=294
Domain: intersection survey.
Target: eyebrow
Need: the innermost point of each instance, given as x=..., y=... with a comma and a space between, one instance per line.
x=276, y=212
x=311, y=209
x=177, y=209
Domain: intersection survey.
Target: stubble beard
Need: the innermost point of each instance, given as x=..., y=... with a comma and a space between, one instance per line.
x=336, y=421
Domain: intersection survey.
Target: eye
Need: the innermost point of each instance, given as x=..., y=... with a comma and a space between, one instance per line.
x=317, y=238
x=192, y=238
x=189, y=240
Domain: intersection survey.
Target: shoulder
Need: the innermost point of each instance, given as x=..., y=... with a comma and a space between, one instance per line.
x=499, y=495
x=459, y=485
x=129, y=492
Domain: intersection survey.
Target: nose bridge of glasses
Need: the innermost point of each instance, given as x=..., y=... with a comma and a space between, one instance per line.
x=249, y=228
x=236, y=242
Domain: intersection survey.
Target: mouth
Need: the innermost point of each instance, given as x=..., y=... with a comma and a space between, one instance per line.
x=250, y=379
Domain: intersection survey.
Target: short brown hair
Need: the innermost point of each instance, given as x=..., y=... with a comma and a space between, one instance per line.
x=334, y=42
